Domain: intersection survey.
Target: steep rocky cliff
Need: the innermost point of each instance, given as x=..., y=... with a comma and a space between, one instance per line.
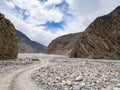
x=100, y=40
x=26, y=45
x=8, y=40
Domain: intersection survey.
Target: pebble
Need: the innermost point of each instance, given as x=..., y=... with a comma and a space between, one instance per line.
x=79, y=78
x=118, y=85
x=64, y=83
x=79, y=75
x=76, y=88
x=116, y=88
x=82, y=84
x=69, y=83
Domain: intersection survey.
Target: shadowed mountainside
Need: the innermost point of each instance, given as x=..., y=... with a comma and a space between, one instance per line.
x=28, y=46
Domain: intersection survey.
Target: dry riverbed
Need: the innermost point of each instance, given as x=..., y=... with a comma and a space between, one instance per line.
x=79, y=74
x=52, y=72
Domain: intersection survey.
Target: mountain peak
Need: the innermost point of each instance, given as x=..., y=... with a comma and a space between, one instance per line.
x=118, y=8
x=1, y=15
x=116, y=11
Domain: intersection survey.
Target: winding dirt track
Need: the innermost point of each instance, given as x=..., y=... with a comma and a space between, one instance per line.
x=20, y=79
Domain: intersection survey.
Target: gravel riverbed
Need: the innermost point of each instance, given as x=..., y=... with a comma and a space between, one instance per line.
x=79, y=74
x=52, y=72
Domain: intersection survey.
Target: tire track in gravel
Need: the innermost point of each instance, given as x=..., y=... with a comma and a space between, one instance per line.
x=22, y=80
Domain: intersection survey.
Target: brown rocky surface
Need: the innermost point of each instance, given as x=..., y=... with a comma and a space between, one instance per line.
x=8, y=41
x=63, y=45
x=100, y=40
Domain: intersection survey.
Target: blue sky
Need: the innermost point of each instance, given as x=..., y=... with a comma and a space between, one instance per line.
x=53, y=26
x=44, y=20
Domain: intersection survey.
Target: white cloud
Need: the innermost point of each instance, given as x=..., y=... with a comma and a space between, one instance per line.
x=49, y=2
x=83, y=11
x=38, y=13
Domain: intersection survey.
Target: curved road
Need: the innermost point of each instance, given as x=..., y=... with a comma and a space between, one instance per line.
x=21, y=79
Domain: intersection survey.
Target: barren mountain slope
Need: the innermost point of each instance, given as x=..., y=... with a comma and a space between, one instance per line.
x=8, y=40
x=100, y=40
x=28, y=46
x=63, y=45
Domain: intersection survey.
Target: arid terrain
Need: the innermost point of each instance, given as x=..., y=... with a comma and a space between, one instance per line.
x=53, y=72
x=80, y=41
x=100, y=40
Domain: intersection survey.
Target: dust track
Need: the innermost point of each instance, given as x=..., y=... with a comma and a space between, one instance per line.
x=22, y=80
x=17, y=76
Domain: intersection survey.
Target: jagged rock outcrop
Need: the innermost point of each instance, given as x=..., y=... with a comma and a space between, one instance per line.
x=100, y=40
x=8, y=40
x=26, y=45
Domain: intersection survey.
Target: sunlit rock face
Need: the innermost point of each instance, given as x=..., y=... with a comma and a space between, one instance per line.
x=8, y=40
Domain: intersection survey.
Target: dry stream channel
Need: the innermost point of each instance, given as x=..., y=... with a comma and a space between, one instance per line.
x=54, y=72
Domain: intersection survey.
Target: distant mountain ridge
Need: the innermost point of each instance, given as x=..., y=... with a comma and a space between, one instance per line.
x=26, y=45
x=101, y=40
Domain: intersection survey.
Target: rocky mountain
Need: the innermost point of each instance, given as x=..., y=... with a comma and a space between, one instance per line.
x=100, y=40
x=63, y=45
x=8, y=40
x=26, y=45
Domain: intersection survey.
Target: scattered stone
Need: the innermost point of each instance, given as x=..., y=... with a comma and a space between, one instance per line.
x=76, y=88
x=82, y=84
x=116, y=88
x=79, y=75
x=64, y=83
x=69, y=82
x=79, y=78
